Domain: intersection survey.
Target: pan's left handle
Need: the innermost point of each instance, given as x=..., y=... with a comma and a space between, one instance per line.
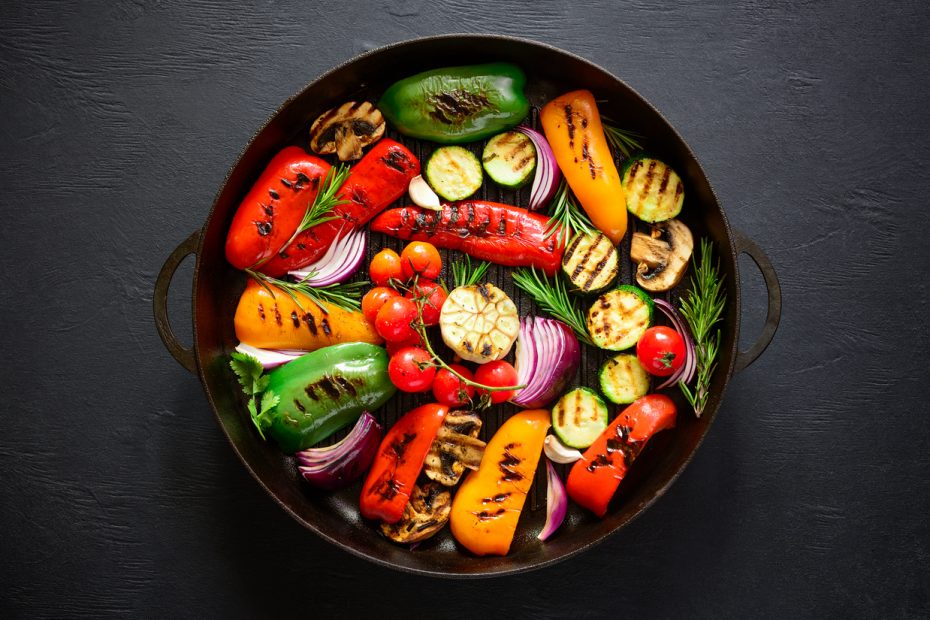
x=745, y=245
x=184, y=355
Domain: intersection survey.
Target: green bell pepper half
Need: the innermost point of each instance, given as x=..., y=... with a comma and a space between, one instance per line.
x=454, y=105
x=324, y=391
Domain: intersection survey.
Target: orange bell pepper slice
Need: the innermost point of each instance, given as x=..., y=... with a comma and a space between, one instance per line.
x=573, y=128
x=486, y=508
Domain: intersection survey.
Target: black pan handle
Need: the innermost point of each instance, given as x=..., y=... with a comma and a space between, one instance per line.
x=184, y=355
x=745, y=245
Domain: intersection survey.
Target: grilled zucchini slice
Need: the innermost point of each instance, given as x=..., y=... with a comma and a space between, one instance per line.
x=590, y=262
x=579, y=418
x=509, y=158
x=623, y=379
x=654, y=192
x=454, y=172
x=618, y=318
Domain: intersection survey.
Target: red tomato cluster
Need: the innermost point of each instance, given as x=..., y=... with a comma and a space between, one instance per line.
x=405, y=293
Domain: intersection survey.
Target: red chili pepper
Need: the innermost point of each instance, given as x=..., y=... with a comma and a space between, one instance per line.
x=594, y=478
x=400, y=458
x=377, y=180
x=503, y=234
x=271, y=211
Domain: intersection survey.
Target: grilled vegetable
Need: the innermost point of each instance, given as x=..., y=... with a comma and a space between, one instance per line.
x=573, y=128
x=454, y=172
x=487, y=506
x=509, y=158
x=548, y=356
x=618, y=318
x=340, y=464
x=426, y=513
x=455, y=448
x=623, y=379
x=594, y=479
x=579, y=417
x=654, y=193
x=269, y=318
x=400, y=457
x=271, y=211
x=454, y=105
x=556, y=503
x=662, y=255
x=548, y=176
x=479, y=322
x=324, y=391
x=346, y=129
x=590, y=262
x=380, y=178
x=491, y=231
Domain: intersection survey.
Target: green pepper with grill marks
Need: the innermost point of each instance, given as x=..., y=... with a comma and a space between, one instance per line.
x=454, y=105
x=324, y=391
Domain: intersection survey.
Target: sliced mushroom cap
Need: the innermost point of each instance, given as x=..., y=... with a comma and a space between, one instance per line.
x=425, y=514
x=346, y=129
x=662, y=255
x=455, y=448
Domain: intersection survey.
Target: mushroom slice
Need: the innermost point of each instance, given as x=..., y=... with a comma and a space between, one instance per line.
x=455, y=449
x=662, y=255
x=346, y=129
x=425, y=514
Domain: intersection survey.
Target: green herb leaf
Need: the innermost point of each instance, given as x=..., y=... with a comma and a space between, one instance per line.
x=465, y=274
x=703, y=307
x=249, y=373
x=622, y=141
x=566, y=218
x=552, y=296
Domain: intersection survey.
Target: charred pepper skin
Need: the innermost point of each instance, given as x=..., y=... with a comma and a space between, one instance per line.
x=495, y=232
x=271, y=211
x=377, y=180
x=326, y=390
x=454, y=105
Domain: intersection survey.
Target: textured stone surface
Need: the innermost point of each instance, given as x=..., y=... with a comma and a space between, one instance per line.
x=119, y=493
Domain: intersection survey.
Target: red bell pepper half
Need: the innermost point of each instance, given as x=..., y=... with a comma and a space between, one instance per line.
x=398, y=463
x=594, y=478
x=377, y=180
x=272, y=210
x=499, y=233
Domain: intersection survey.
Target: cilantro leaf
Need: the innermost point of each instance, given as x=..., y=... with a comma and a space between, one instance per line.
x=249, y=372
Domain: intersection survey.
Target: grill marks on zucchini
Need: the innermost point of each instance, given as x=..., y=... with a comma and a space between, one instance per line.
x=623, y=379
x=454, y=172
x=579, y=417
x=617, y=319
x=509, y=159
x=590, y=262
x=654, y=192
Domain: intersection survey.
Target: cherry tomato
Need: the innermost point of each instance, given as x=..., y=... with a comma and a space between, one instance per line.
x=412, y=370
x=374, y=299
x=421, y=258
x=394, y=347
x=395, y=319
x=497, y=374
x=432, y=296
x=449, y=389
x=661, y=351
x=384, y=267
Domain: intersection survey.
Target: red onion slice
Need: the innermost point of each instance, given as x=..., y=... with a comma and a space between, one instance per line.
x=548, y=355
x=686, y=371
x=556, y=503
x=340, y=262
x=336, y=466
x=269, y=358
x=547, y=178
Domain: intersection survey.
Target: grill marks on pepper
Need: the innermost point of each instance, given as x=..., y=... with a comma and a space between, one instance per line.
x=509, y=463
x=397, y=160
x=570, y=124
x=456, y=106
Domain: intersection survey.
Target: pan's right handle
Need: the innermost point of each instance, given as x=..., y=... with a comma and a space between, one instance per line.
x=745, y=245
x=184, y=355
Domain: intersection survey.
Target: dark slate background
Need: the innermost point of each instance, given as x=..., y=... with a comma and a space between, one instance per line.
x=118, y=492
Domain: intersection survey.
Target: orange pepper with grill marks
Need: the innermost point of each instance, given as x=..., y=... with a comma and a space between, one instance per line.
x=486, y=508
x=573, y=128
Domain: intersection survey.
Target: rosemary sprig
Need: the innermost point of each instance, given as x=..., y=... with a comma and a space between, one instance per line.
x=466, y=274
x=702, y=307
x=345, y=296
x=320, y=210
x=620, y=139
x=552, y=296
x=565, y=217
